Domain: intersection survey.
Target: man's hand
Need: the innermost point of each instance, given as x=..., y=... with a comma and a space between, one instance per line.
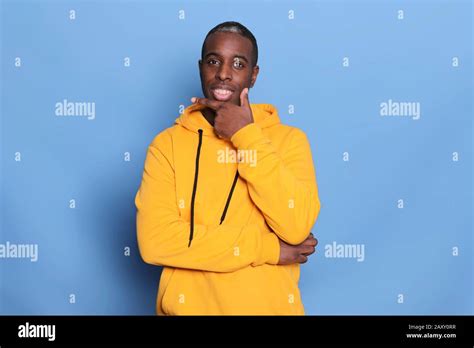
x=229, y=117
x=290, y=254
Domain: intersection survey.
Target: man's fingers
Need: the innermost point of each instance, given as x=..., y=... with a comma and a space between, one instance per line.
x=308, y=247
x=307, y=250
x=213, y=104
x=313, y=238
x=310, y=241
x=302, y=259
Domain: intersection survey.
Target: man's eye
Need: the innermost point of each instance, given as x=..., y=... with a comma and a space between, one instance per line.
x=238, y=64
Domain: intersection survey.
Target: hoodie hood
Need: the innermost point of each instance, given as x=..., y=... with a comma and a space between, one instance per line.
x=265, y=115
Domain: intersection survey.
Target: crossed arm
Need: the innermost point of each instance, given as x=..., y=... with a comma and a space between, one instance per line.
x=284, y=189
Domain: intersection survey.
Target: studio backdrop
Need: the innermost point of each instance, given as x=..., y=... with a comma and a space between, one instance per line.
x=382, y=89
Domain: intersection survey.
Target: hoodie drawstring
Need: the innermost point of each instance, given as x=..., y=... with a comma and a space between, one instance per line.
x=194, y=187
x=229, y=197
x=191, y=232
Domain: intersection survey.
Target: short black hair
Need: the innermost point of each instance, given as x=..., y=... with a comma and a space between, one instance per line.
x=234, y=27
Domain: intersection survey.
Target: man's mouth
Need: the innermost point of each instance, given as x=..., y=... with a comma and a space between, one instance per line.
x=222, y=94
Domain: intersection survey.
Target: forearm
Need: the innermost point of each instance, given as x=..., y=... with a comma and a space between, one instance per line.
x=218, y=249
x=283, y=187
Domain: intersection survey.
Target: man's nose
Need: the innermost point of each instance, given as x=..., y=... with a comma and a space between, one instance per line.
x=224, y=73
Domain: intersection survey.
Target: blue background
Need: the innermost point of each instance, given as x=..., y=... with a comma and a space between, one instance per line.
x=81, y=251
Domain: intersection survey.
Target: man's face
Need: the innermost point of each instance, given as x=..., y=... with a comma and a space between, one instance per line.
x=226, y=67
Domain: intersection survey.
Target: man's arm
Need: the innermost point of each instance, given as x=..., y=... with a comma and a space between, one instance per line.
x=284, y=188
x=163, y=235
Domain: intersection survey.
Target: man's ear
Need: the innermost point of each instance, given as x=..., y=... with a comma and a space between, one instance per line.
x=255, y=72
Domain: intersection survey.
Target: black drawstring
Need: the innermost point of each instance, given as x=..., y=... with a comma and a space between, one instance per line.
x=191, y=232
x=194, y=187
x=230, y=197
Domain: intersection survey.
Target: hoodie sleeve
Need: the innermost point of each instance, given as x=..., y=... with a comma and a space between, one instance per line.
x=282, y=185
x=163, y=234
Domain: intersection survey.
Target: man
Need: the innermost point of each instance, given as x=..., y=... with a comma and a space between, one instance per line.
x=228, y=195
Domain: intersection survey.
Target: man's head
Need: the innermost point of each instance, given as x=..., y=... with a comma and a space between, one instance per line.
x=228, y=62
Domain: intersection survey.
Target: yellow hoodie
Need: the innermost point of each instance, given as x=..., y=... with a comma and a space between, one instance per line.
x=211, y=211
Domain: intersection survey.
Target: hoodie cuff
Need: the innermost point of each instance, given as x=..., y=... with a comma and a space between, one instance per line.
x=270, y=250
x=246, y=136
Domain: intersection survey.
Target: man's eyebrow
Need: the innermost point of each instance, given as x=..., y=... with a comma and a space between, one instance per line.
x=218, y=55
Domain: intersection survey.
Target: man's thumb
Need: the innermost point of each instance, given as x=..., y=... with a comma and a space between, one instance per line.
x=244, y=97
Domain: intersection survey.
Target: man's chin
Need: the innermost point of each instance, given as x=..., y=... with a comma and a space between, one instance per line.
x=231, y=101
